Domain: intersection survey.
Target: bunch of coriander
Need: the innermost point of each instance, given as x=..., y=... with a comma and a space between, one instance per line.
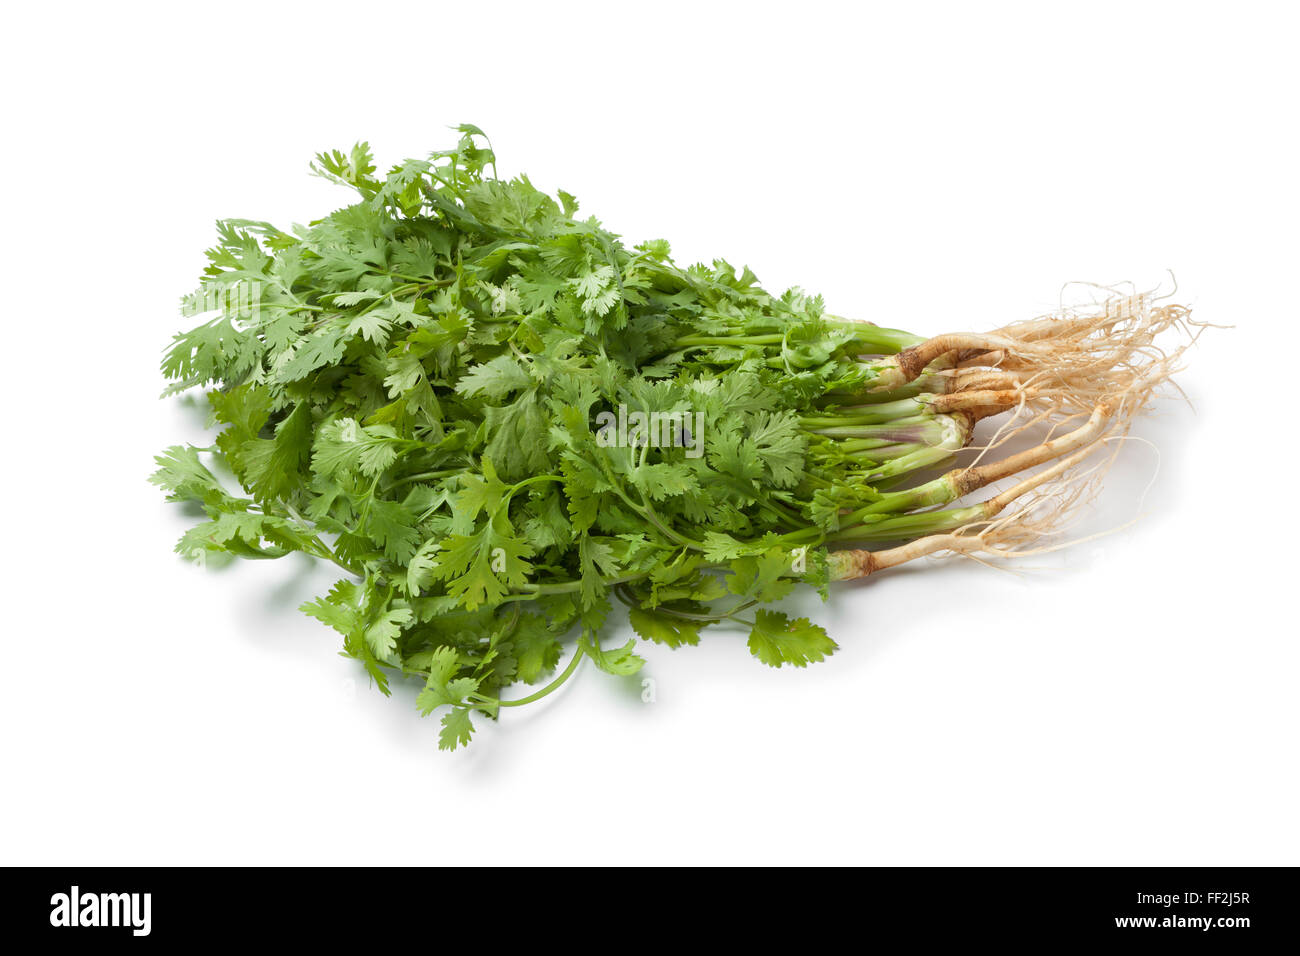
x=499, y=421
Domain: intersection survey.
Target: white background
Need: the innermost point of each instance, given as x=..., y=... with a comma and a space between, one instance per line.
x=944, y=167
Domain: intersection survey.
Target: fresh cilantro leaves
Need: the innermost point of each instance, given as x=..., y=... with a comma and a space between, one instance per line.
x=410, y=386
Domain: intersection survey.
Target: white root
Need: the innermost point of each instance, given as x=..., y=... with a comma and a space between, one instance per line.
x=1050, y=372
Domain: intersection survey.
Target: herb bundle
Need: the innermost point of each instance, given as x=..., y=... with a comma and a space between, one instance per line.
x=499, y=421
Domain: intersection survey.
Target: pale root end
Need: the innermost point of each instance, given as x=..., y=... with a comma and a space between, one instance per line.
x=1094, y=371
x=1071, y=361
x=1051, y=497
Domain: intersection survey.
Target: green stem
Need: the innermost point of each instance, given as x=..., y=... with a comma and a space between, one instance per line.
x=536, y=591
x=549, y=688
x=526, y=482
x=691, y=341
x=908, y=526
x=624, y=595
x=877, y=339
x=440, y=283
x=866, y=338
x=876, y=449
x=903, y=409
x=320, y=548
x=936, y=492
x=869, y=397
x=847, y=426
x=425, y=475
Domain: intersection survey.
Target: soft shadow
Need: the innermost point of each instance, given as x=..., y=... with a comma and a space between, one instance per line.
x=290, y=593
